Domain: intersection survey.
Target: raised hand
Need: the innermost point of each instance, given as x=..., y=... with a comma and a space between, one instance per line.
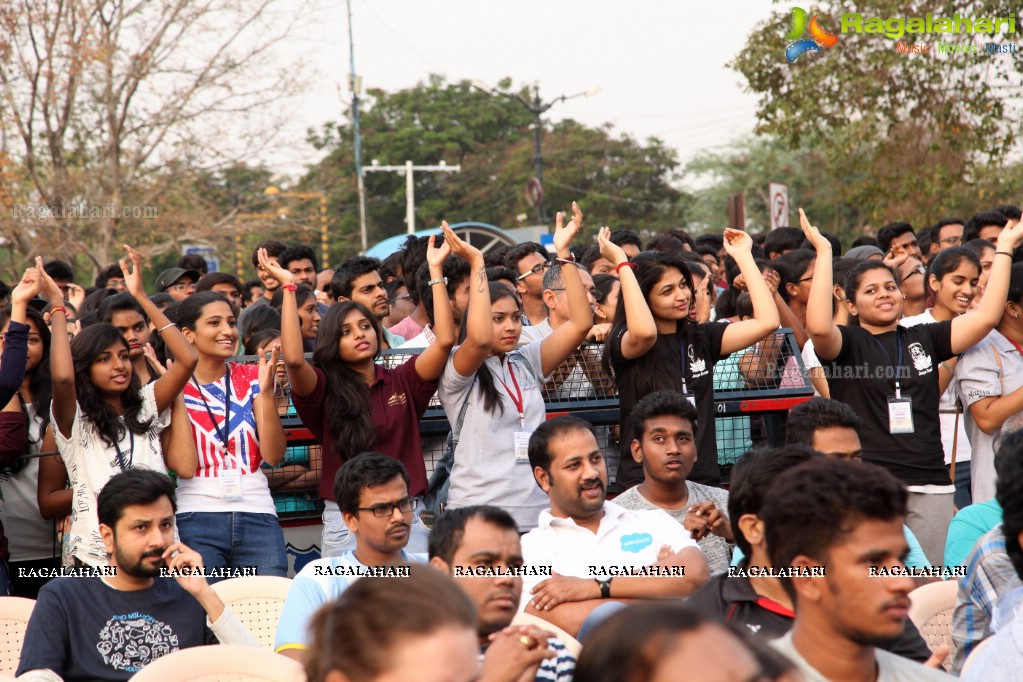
x=737, y=242
x=460, y=247
x=565, y=233
x=133, y=279
x=154, y=361
x=812, y=233
x=273, y=268
x=268, y=370
x=1011, y=236
x=47, y=287
x=436, y=255
x=27, y=288
x=608, y=249
x=896, y=256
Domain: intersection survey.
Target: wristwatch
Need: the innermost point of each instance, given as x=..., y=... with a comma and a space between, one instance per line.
x=605, y=587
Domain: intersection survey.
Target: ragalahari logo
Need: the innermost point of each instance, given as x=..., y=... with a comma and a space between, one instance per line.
x=818, y=36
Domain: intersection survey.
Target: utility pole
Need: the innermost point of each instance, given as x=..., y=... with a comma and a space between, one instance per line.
x=410, y=196
x=355, y=85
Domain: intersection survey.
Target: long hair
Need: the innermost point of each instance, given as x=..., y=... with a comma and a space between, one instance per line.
x=89, y=343
x=649, y=268
x=347, y=400
x=488, y=389
x=40, y=385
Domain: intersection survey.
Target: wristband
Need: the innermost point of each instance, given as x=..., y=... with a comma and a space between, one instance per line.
x=442, y=280
x=1003, y=253
x=570, y=259
x=626, y=264
x=566, y=261
x=289, y=287
x=60, y=308
x=166, y=326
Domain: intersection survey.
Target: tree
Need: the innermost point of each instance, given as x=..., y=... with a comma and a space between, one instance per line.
x=904, y=133
x=115, y=109
x=617, y=180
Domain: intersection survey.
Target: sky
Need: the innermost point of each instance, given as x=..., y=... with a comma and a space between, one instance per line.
x=660, y=64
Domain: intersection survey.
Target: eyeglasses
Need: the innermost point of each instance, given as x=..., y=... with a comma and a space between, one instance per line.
x=381, y=511
x=918, y=270
x=399, y=298
x=535, y=270
x=805, y=279
x=951, y=241
x=182, y=286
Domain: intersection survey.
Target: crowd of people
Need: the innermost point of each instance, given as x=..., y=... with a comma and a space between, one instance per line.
x=146, y=459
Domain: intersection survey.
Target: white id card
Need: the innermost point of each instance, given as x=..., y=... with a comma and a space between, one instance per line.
x=522, y=447
x=230, y=481
x=900, y=415
x=690, y=396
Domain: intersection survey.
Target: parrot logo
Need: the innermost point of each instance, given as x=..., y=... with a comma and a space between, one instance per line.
x=819, y=37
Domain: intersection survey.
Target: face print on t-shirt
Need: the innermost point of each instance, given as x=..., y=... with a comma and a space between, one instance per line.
x=921, y=360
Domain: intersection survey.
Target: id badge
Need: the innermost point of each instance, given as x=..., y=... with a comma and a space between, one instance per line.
x=691, y=397
x=900, y=415
x=230, y=481
x=522, y=447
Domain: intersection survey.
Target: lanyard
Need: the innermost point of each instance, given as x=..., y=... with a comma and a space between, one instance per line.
x=223, y=435
x=131, y=452
x=898, y=367
x=1018, y=347
x=517, y=398
x=682, y=359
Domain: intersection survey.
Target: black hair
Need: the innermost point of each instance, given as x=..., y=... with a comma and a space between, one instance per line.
x=712, y=240
x=889, y=232
x=488, y=389
x=707, y=250
x=806, y=418
x=603, y=285
x=587, y=256
x=495, y=256
x=752, y=476
x=392, y=287
x=841, y=496
x=836, y=244
x=414, y=254
x=92, y=301
x=865, y=240
x=840, y=269
x=623, y=237
x=86, y=345
x=130, y=488
x=207, y=282
x=1016, y=284
x=162, y=299
x=516, y=253
x=118, y=303
x=496, y=272
x=365, y=470
x=1010, y=211
x=303, y=292
x=59, y=270
x=347, y=400
x=855, y=276
x=449, y=528
x=683, y=237
x=793, y=264
x=743, y=305
x=782, y=239
x=273, y=248
x=261, y=318
x=391, y=266
x=194, y=261
x=667, y=244
x=631, y=643
x=649, y=267
x=426, y=291
x=40, y=384
x=188, y=311
x=297, y=252
x=256, y=339
x=978, y=222
x=457, y=270
x=104, y=276
x=247, y=287
x=540, y=440
x=948, y=261
x=345, y=275
x=1009, y=493
x=660, y=404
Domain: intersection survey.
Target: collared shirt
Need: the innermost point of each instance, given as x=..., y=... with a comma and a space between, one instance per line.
x=319, y=582
x=420, y=342
x=989, y=575
x=392, y=339
x=967, y=526
x=1002, y=659
x=623, y=538
x=398, y=398
x=407, y=328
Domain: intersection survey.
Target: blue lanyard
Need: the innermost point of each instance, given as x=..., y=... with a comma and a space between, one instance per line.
x=222, y=435
x=898, y=345
x=131, y=453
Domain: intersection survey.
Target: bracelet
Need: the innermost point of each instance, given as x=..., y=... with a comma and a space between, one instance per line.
x=289, y=287
x=570, y=259
x=60, y=308
x=442, y=280
x=166, y=326
x=1004, y=253
x=566, y=261
x=948, y=369
x=626, y=264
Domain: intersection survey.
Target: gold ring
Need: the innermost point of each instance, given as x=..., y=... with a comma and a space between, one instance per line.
x=528, y=641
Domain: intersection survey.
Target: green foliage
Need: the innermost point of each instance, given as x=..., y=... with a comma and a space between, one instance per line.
x=903, y=136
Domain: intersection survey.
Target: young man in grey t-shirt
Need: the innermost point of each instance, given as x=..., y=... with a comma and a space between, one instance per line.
x=664, y=442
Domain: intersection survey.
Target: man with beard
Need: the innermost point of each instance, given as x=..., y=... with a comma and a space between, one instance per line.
x=479, y=547
x=111, y=625
x=371, y=490
x=358, y=279
x=836, y=530
x=598, y=550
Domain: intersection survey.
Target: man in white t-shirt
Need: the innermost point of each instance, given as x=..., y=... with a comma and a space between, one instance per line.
x=836, y=530
x=371, y=490
x=597, y=550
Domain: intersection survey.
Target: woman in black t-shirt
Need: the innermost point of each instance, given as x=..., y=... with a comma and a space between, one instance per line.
x=888, y=373
x=654, y=346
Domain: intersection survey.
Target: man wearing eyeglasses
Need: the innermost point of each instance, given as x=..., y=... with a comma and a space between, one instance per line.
x=946, y=234
x=177, y=282
x=371, y=490
x=529, y=262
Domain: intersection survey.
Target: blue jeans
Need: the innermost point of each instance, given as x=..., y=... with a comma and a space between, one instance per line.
x=964, y=496
x=236, y=540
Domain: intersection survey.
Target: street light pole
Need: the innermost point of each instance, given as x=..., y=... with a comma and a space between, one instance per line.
x=410, y=187
x=536, y=107
x=361, y=185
